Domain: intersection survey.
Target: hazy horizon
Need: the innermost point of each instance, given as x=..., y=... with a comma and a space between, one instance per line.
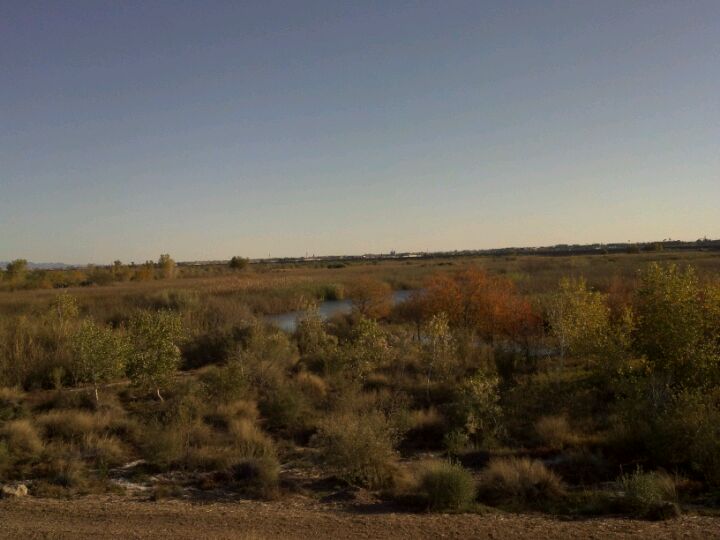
x=213, y=129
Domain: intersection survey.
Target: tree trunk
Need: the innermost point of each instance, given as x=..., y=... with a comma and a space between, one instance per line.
x=97, y=397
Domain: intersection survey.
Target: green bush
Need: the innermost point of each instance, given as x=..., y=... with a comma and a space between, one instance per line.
x=447, y=486
x=651, y=495
x=648, y=488
x=155, y=355
x=358, y=448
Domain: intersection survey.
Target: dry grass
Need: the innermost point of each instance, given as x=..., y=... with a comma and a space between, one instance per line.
x=555, y=432
x=72, y=424
x=21, y=437
x=519, y=480
x=312, y=386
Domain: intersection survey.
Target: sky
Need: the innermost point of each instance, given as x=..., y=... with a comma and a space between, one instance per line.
x=210, y=129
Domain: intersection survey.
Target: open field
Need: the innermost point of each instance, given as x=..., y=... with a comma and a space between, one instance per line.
x=508, y=396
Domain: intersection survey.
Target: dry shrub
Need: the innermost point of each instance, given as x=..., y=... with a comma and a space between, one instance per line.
x=11, y=403
x=425, y=430
x=259, y=477
x=225, y=413
x=249, y=441
x=211, y=458
x=359, y=448
x=104, y=450
x=62, y=466
x=312, y=386
x=72, y=424
x=21, y=437
x=519, y=480
x=555, y=432
x=447, y=486
x=164, y=447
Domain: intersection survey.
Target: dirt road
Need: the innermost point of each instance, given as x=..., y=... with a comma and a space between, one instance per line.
x=120, y=517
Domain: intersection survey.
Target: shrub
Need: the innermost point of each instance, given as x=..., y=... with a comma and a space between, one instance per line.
x=358, y=447
x=21, y=438
x=155, y=355
x=371, y=298
x=476, y=408
x=447, y=486
x=369, y=347
x=249, y=441
x=555, y=432
x=99, y=354
x=104, y=451
x=225, y=384
x=312, y=386
x=259, y=477
x=311, y=337
x=647, y=489
x=11, y=404
x=520, y=481
x=71, y=424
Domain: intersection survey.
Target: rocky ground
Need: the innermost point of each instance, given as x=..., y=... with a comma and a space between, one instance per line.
x=118, y=516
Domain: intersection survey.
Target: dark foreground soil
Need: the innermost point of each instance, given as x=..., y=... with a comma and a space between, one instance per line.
x=121, y=517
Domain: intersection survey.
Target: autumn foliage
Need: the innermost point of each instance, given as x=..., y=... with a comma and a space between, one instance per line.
x=475, y=300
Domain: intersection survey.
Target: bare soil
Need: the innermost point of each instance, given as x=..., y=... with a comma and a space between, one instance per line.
x=114, y=516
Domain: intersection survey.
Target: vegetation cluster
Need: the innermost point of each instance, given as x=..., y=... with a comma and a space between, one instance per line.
x=491, y=385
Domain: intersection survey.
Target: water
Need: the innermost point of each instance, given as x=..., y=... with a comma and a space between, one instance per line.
x=288, y=321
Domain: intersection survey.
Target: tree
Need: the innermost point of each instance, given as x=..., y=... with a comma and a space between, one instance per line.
x=167, y=266
x=311, y=337
x=677, y=324
x=239, y=263
x=438, y=348
x=369, y=347
x=476, y=410
x=145, y=272
x=16, y=271
x=474, y=300
x=371, y=298
x=413, y=310
x=579, y=318
x=155, y=355
x=99, y=354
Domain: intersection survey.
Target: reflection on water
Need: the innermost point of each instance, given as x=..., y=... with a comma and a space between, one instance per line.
x=288, y=321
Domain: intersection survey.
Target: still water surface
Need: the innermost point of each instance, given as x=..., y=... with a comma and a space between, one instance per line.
x=288, y=321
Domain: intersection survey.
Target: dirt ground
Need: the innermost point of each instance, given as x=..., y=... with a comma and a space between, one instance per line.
x=120, y=517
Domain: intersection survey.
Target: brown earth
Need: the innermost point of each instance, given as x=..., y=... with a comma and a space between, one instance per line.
x=122, y=517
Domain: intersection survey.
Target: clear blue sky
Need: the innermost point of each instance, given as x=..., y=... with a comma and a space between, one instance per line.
x=207, y=129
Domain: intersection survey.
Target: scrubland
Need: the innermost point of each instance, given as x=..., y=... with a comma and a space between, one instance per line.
x=572, y=386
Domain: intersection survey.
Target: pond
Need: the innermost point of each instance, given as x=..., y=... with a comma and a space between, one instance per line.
x=288, y=321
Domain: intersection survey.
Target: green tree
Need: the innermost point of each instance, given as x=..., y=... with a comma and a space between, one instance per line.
x=16, y=271
x=312, y=339
x=476, y=410
x=155, y=355
x=369, y=347
x=99, y=354
x=239, y=263
x=677, y=325
x=579, y=318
